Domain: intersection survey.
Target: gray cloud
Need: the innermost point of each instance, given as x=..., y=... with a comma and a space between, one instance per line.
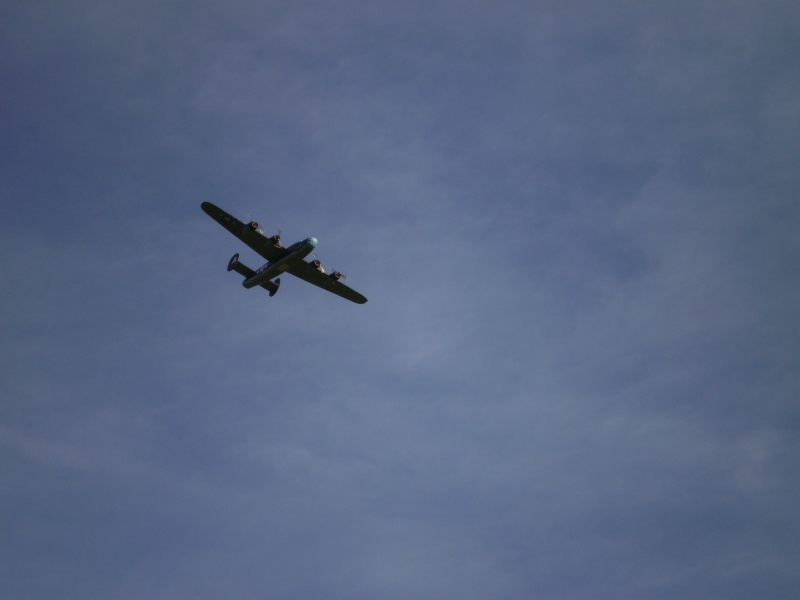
x=576, y=375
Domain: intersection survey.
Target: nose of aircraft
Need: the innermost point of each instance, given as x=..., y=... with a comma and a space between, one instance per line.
x=312, y=242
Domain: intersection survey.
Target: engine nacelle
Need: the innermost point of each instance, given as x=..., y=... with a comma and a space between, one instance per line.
x=317, y=265
x=336, y=276
x=253, y=225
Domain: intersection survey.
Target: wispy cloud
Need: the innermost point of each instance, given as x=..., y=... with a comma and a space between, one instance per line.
x=575, y=376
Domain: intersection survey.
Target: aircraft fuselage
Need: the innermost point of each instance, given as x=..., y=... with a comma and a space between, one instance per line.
x=293, y=255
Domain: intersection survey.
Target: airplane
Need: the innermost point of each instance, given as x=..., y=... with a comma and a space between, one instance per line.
x=279, y=259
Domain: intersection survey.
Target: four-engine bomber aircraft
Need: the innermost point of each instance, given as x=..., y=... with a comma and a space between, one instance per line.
x=279, y=259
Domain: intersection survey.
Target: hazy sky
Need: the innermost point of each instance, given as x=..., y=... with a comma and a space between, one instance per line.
x=578, y=372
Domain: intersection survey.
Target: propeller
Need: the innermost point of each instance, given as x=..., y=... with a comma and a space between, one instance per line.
x=254, y=224
x=317, y=263
x=339, y=276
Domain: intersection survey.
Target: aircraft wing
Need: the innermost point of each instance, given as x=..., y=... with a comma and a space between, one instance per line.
x=254, y=239
x=307, y=272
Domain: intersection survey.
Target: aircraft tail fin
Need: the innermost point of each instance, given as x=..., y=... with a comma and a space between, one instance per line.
x=272, y=286
x=247, y=272
x=235, y=265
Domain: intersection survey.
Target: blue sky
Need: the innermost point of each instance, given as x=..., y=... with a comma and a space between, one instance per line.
x=577, y=373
